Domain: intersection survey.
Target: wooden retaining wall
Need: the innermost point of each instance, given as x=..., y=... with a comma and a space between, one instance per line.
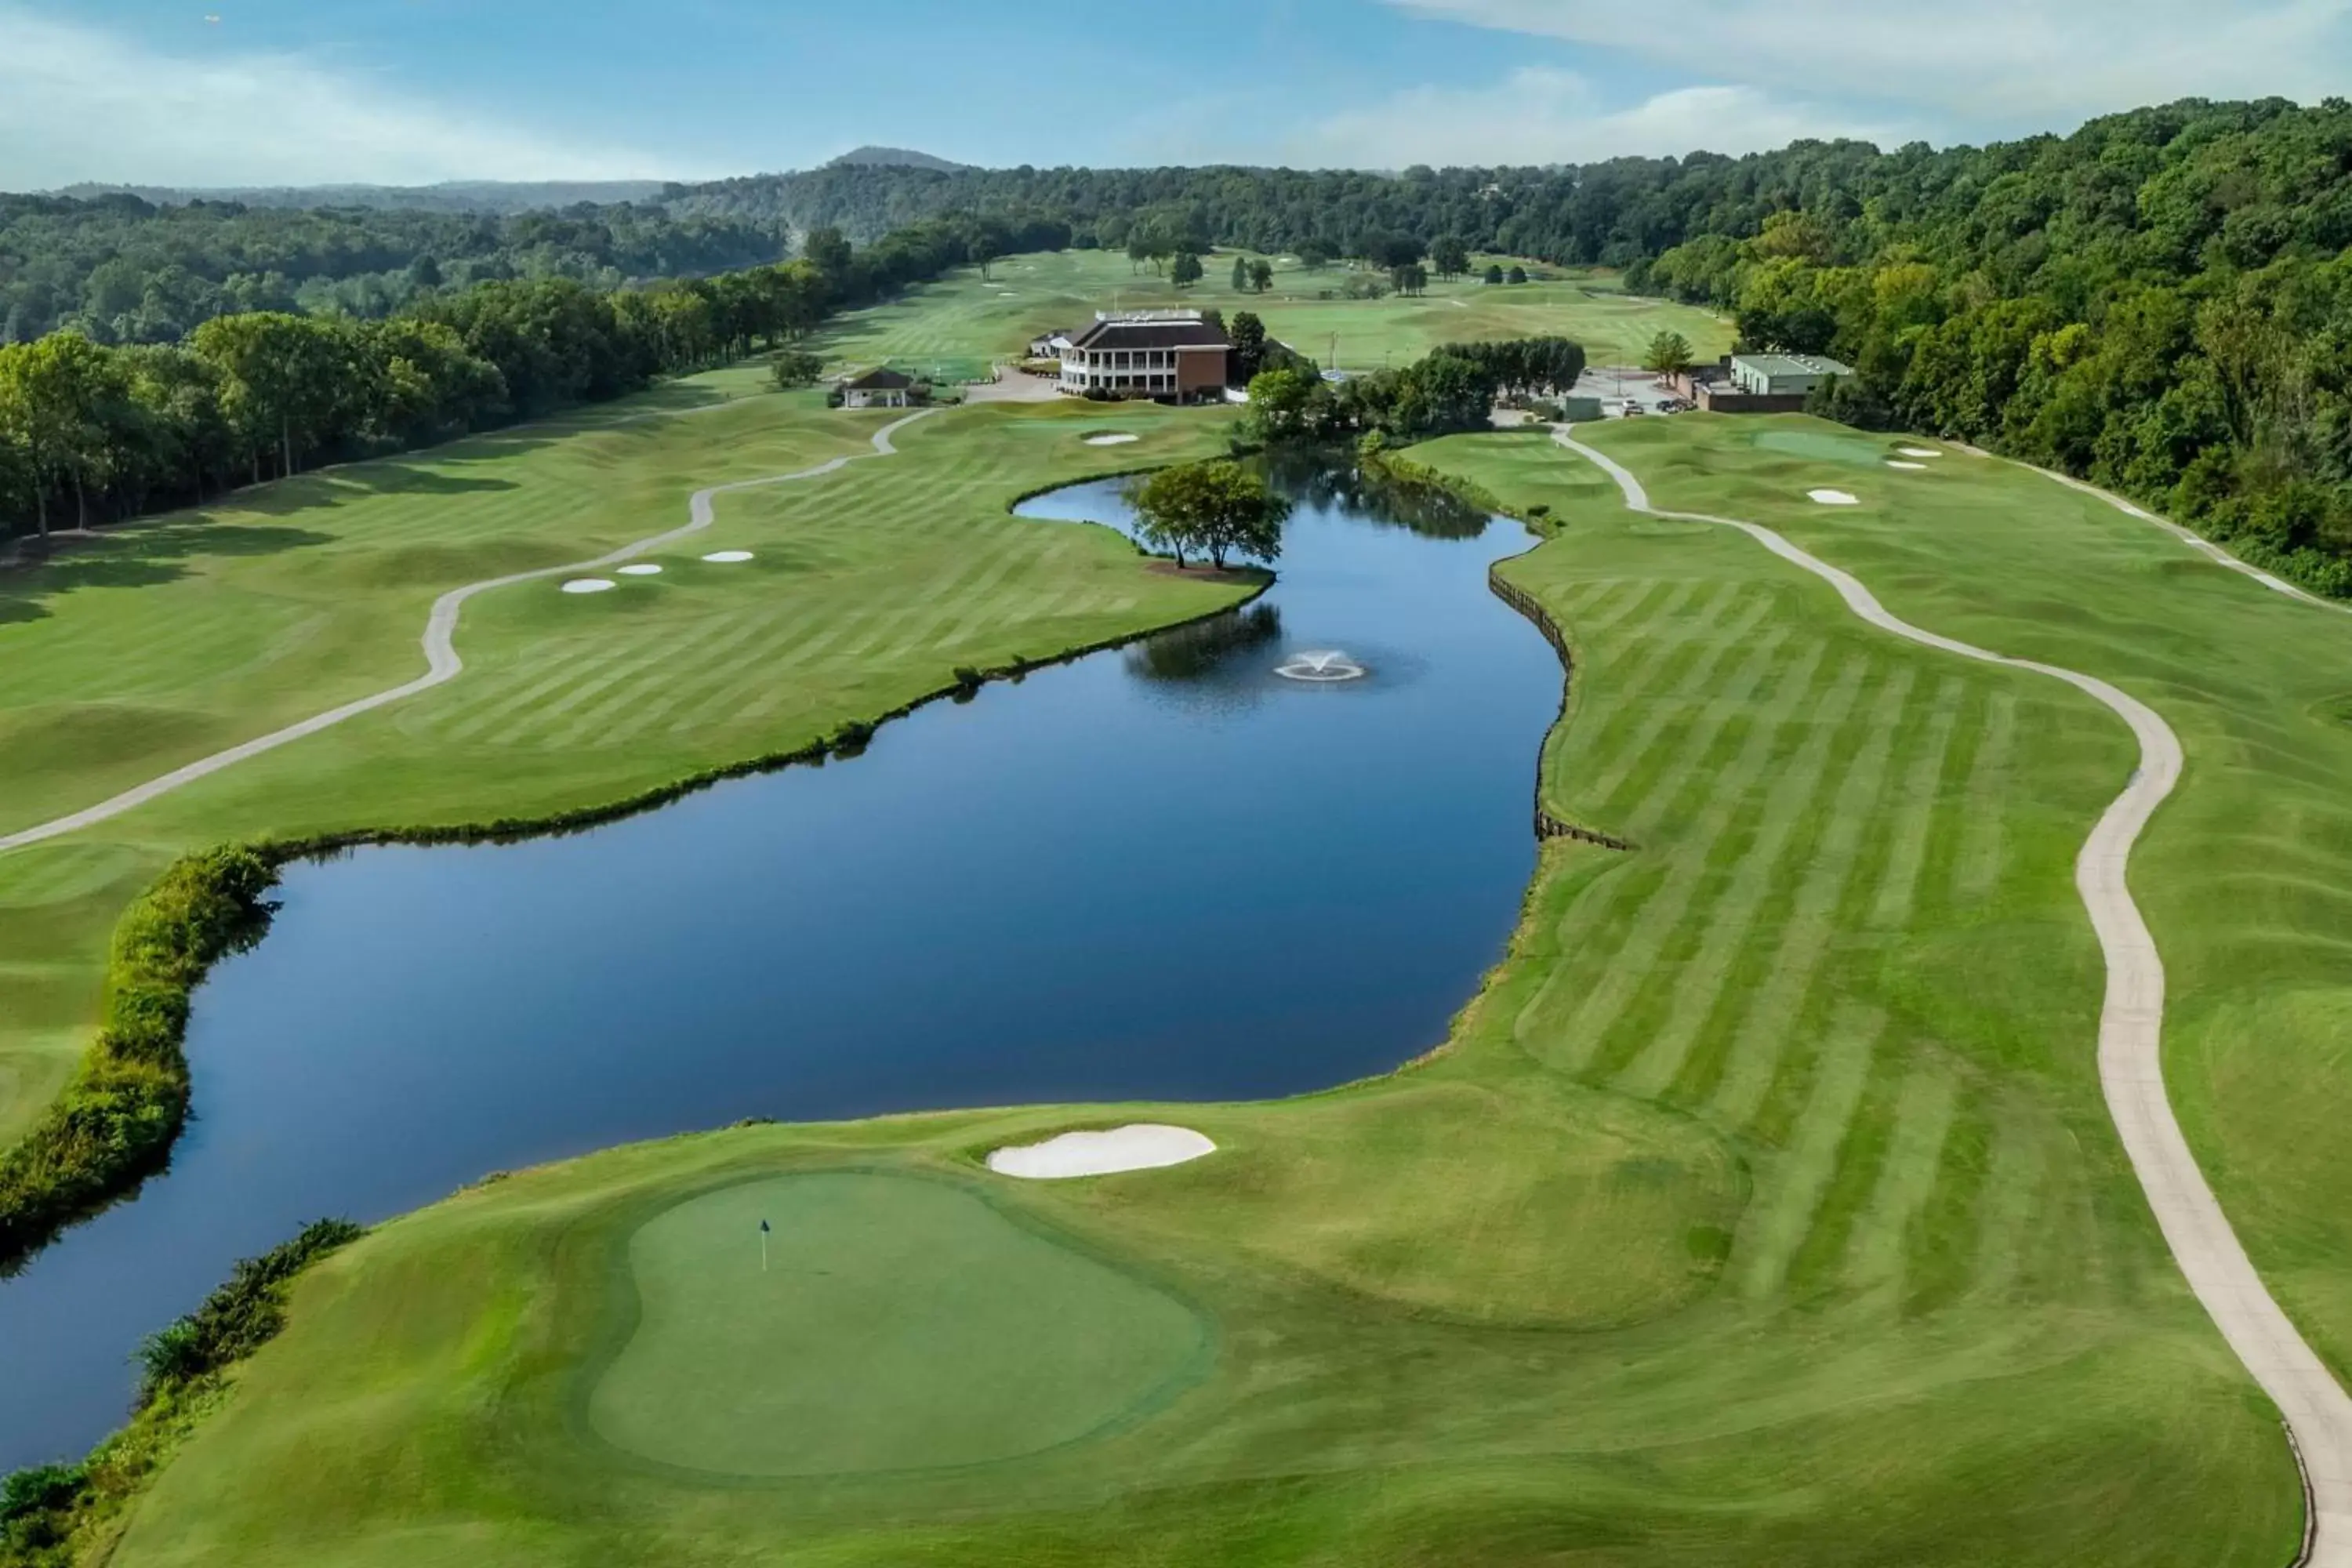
x=1546, y=825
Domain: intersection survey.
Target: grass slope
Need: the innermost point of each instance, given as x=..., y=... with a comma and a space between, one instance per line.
x=956, y=328
x=165, y=642
x=2246, y=875
x=1763, y=1209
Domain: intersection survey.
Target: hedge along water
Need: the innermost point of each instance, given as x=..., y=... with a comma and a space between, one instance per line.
x=1160, y=872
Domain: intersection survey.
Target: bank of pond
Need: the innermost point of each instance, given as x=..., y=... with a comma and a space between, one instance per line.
x=1169, y=872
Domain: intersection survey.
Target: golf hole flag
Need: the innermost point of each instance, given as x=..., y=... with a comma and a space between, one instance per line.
x=763, y=1246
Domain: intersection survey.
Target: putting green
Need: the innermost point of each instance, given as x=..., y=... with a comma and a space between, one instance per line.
x=899, y=1324
x=1821, y=447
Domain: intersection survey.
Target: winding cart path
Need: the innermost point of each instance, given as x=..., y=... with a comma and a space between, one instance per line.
x=442, y=663
x=2131, y=1027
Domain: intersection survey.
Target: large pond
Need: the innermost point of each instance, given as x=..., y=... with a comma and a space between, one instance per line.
x=1167, y=872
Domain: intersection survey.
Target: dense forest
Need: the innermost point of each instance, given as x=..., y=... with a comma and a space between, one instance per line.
x=93, y=432
x=121, y=270
x=2160, y=302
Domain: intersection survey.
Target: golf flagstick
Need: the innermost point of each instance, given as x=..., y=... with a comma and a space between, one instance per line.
x=763, y=1246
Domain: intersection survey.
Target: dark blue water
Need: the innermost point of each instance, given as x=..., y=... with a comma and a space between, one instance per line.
x=1160, y=872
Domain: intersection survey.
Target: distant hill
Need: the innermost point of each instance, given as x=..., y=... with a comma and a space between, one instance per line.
x=499, y=196
x=894, y=158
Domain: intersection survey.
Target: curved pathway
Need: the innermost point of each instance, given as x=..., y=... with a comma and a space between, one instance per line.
x=441, y=661
x=2131, y=1024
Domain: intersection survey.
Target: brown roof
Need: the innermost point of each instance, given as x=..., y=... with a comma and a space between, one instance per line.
x=1151, y=335
x=881, y=378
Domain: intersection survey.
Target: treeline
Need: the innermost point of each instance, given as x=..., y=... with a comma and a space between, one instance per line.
x=93, y=432
x=2160, y=302
x=1454, y=388
x=120, y=270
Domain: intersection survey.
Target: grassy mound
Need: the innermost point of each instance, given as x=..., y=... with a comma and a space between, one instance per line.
x=1821, y=446
x=898, y=1324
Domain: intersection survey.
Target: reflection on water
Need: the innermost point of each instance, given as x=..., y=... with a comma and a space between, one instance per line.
x=1198, y=651
x=1159, y=873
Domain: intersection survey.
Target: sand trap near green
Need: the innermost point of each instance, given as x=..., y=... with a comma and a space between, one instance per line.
x=900, y=1324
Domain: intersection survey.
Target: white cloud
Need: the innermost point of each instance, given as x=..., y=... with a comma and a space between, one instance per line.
x=1540, y=114
x=1975, y=65
x=76, y=103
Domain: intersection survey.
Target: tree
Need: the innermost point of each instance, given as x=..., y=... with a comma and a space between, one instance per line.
x=1518, y=274
x=1443, y=392
x=1184, y=269
x=284, y=376
x=1494, y=273
x=829, y=253
x=1240, y=276
x=1409, y=279
x=1452, y=255
x=1314, y=254
x=1260, y=275
x=50, y=395
x=1217, y=509
x=1248, y=337
x=1669, y=354
x=1283, y=403
x=797, y=367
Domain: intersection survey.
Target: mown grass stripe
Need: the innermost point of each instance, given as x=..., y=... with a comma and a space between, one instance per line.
x=1597, y=627
x=1922, y=791
x=1662, y=791
x=1630, y=667
x=1691, y=693
x=1791, y=1189
x=1755, y=1054
x=2007, y=1211
x=1976, y=866
x=1698, y=984
x=1636, y=959
x=1923, y=1118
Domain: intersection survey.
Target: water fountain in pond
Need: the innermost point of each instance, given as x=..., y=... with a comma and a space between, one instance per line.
x=1320, y=666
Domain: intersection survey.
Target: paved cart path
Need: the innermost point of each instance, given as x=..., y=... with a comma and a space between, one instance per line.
x=441, y=661
x=2131, y=1027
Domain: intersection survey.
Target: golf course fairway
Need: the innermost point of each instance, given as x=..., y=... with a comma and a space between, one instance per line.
x=1763, y=1206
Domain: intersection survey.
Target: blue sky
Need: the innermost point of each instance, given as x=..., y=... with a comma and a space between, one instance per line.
x=270, y=91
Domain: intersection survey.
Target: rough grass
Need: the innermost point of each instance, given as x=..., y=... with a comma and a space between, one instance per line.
x=166, y=641
x=961, y=322
x=1764, y=1207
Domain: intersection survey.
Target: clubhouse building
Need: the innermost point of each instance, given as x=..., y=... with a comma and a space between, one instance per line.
x=1172, y=354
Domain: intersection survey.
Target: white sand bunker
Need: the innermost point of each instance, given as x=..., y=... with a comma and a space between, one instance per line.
x=726, y=557
x=1834, y=498
x=1111, y=439
x=590, y=586
x=1920, y=451
x=642, y=569
x=1899, y=463
x=1140, y=1146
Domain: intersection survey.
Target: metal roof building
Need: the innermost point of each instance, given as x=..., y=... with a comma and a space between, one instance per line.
x=1783, y=376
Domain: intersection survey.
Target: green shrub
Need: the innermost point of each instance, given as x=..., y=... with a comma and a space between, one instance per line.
x=239, y=1316
x=116, y=1119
